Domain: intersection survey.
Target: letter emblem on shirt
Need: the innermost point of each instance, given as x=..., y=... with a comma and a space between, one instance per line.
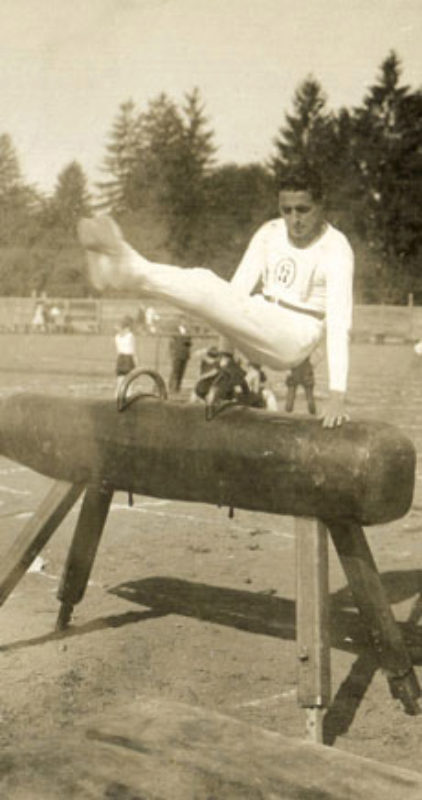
x=285, y=272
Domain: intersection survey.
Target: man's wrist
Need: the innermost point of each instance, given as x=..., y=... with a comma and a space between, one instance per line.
x=335, y=413
x=335, y=394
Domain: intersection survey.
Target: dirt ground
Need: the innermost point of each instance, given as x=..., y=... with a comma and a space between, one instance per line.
x=187, y=604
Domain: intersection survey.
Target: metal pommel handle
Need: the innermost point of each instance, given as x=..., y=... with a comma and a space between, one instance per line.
x=124, y=399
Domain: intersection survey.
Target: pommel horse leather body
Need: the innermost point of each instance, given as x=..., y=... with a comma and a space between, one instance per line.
x=244, y=458
x=359, y=474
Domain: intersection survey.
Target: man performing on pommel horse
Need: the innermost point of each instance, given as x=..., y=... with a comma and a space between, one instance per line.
x=305, y=267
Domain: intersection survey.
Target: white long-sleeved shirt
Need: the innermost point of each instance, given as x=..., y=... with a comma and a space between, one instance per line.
x=125, y=343
x=318, y=277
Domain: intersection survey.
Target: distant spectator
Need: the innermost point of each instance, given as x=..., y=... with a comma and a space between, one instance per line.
x=180, y=348
x=55, y=319
x=140, y=317
x=126, y=350
x=151, y=319
x=47, y=318
x=39, y=323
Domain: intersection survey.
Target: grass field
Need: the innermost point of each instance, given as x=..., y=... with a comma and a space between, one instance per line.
x=226, y=638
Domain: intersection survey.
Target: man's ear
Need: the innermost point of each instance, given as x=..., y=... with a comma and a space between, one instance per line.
x=279, y=205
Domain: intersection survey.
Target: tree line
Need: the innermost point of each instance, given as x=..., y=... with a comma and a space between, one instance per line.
x=161, y=181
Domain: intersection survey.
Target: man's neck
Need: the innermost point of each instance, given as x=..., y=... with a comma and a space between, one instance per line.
x=303, y=245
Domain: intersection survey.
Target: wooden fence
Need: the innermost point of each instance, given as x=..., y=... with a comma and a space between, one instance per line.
x=376, y=323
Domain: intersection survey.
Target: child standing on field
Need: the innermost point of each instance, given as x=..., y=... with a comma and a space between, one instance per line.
x=126, y=350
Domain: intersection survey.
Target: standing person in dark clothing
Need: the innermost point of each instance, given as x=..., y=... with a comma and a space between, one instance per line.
x=180, y=347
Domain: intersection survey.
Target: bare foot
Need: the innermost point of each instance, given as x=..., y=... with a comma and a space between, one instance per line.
x=110, y=259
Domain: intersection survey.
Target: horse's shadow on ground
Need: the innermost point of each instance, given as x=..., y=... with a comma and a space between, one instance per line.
x=265, y=614
x=269, y=615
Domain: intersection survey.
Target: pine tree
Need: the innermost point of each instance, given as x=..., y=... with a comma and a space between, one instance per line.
x=388, y=159
x=57, y=260
x=320, y=138
x=71, y=199
x=19, y=202
x=198, y=137
x=120, y=160
x=195, y=164
x=159, y=155
x=308, y=134
x=173, y=157
x=10, y=174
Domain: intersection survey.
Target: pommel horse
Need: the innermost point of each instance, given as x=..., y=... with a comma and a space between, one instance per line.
x=337, y=480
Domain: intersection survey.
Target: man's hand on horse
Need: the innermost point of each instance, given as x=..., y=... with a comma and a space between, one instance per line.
x=335, y=413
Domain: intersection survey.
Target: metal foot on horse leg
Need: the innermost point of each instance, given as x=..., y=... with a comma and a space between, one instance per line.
x=64, y=616
x=80, y=560
x=371, y=600
x=406, y=689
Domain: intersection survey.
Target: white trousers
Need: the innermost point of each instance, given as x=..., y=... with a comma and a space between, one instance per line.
x=264, y=332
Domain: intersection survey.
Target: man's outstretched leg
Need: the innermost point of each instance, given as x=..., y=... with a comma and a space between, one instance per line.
x=264, y=332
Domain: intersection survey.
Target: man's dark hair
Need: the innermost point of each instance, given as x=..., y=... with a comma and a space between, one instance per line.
x=301, y=178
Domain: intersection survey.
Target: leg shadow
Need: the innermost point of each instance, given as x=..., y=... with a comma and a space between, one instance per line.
x=274, y=616
x=113, y=621
x=266, y=615
x=344, y=706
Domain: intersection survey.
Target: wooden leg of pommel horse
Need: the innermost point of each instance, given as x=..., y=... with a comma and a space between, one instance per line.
x=80, y=559
x=370, y=597
x=312, y=623
x=36, y=533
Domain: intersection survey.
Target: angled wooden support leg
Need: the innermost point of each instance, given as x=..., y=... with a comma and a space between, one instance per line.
x=36, y=534
x=83, y=549
x=371, y=600
x=312, y=623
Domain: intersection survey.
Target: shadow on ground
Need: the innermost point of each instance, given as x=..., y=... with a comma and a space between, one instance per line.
x=275, y=616
x=267, y=615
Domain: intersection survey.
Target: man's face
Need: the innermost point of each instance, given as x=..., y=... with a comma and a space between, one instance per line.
x=303, y=217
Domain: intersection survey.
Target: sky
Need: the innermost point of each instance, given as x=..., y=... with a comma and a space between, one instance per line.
x=67, y=65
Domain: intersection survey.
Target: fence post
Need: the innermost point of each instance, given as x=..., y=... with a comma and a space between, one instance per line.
x=410, y=315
